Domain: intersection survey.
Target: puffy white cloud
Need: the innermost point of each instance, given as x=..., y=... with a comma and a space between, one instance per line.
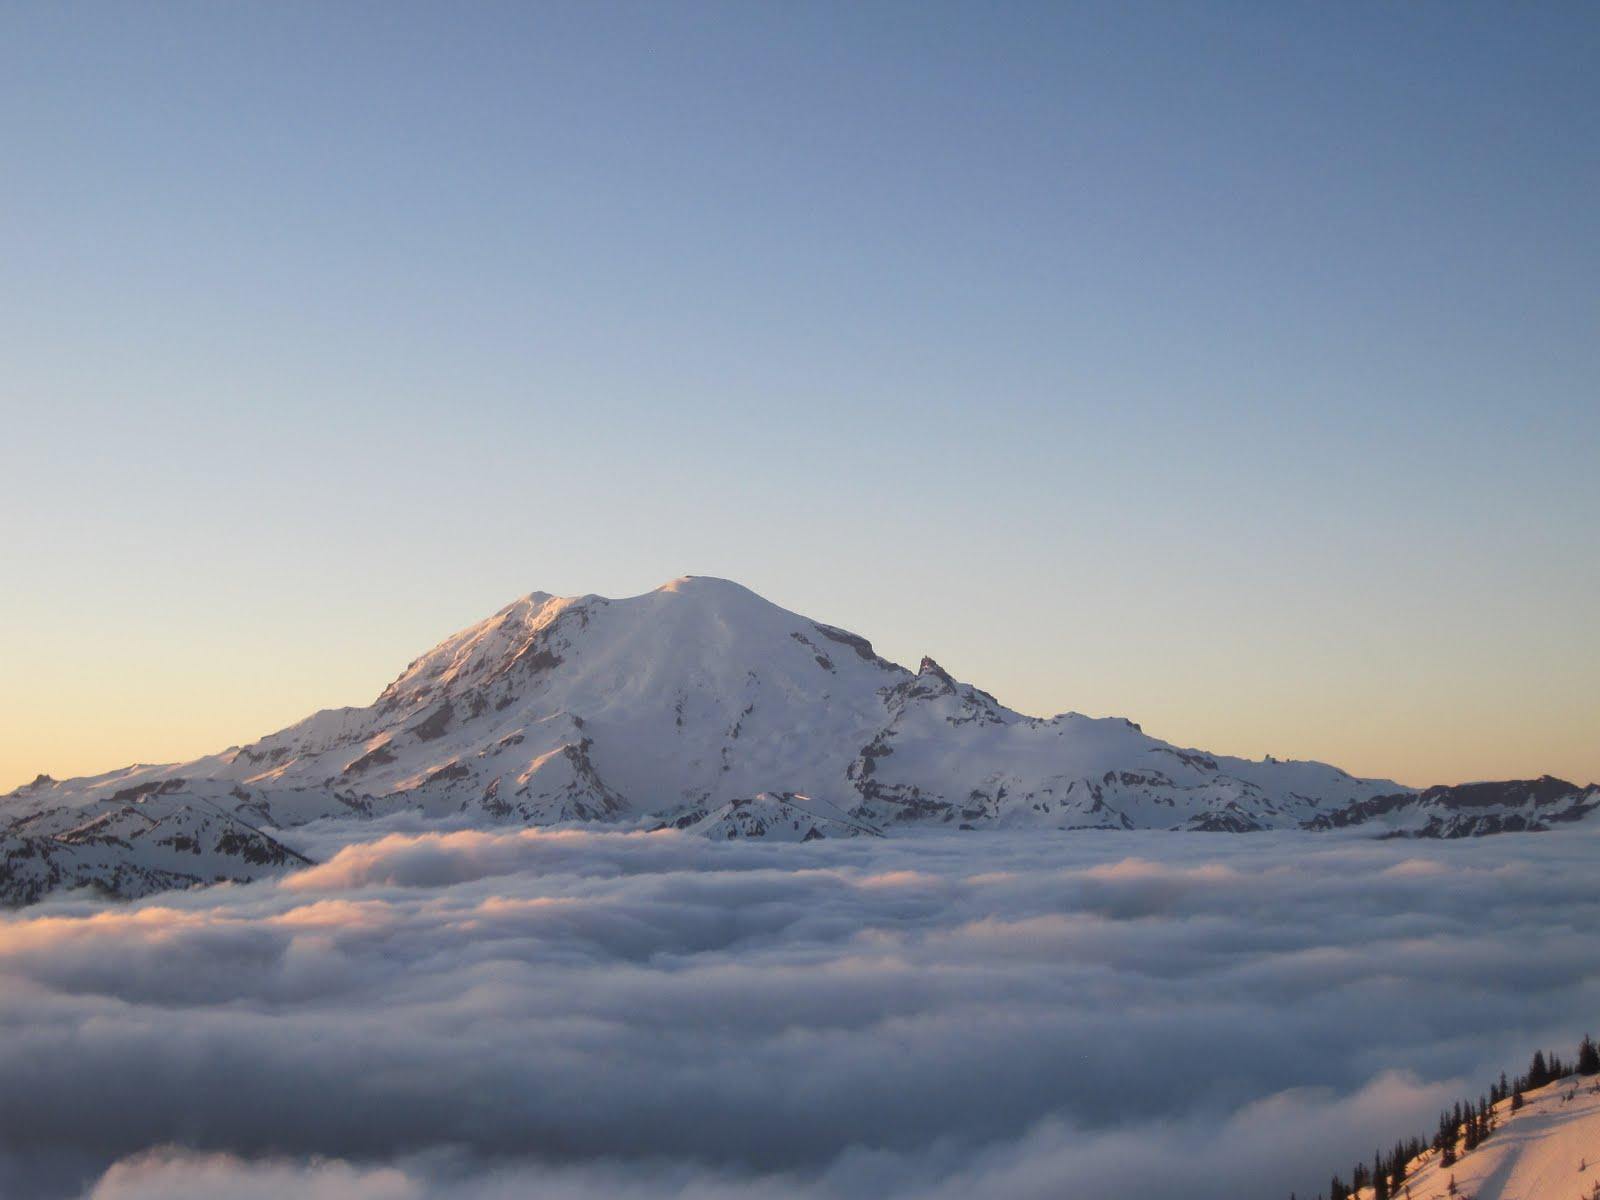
x=581, y=1013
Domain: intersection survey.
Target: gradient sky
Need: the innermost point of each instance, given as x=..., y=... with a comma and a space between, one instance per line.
x=1231, y=367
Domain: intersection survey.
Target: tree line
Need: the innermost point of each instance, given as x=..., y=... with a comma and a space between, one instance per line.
x=1462, y=1128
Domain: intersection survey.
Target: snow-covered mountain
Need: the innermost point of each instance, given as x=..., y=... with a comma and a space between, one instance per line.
x=699, y=706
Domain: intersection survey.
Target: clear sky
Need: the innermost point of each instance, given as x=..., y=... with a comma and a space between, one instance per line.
x=1231, y=367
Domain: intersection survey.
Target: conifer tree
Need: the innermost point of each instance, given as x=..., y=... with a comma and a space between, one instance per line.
x=1588, y=1057
x=1538, y=1071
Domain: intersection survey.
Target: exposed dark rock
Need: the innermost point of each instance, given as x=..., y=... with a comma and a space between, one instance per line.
x=456, y=770
x=372, y=758
x=860, y=645
x=436, y=723
x=1202, y=762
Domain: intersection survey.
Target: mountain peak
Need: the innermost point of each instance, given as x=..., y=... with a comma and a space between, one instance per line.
x=706, y=585
x=723, y=595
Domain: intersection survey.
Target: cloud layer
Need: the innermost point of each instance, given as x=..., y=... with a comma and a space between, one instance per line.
x=476, y=1015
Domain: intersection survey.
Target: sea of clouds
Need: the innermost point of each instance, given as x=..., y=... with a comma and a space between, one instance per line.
x=580, y=1014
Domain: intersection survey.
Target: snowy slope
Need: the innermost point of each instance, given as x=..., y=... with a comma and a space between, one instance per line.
x=1535, y=1154
x=785, y=818
x=143, y=839
x=700, y=705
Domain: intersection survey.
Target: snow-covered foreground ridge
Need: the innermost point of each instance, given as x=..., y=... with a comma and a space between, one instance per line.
x=1546, y=1149
x=702, y=706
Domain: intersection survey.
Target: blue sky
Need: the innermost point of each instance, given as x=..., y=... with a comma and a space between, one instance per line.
x=1231, y=367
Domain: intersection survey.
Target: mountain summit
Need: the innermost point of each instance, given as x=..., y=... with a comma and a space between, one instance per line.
x=699, y=705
